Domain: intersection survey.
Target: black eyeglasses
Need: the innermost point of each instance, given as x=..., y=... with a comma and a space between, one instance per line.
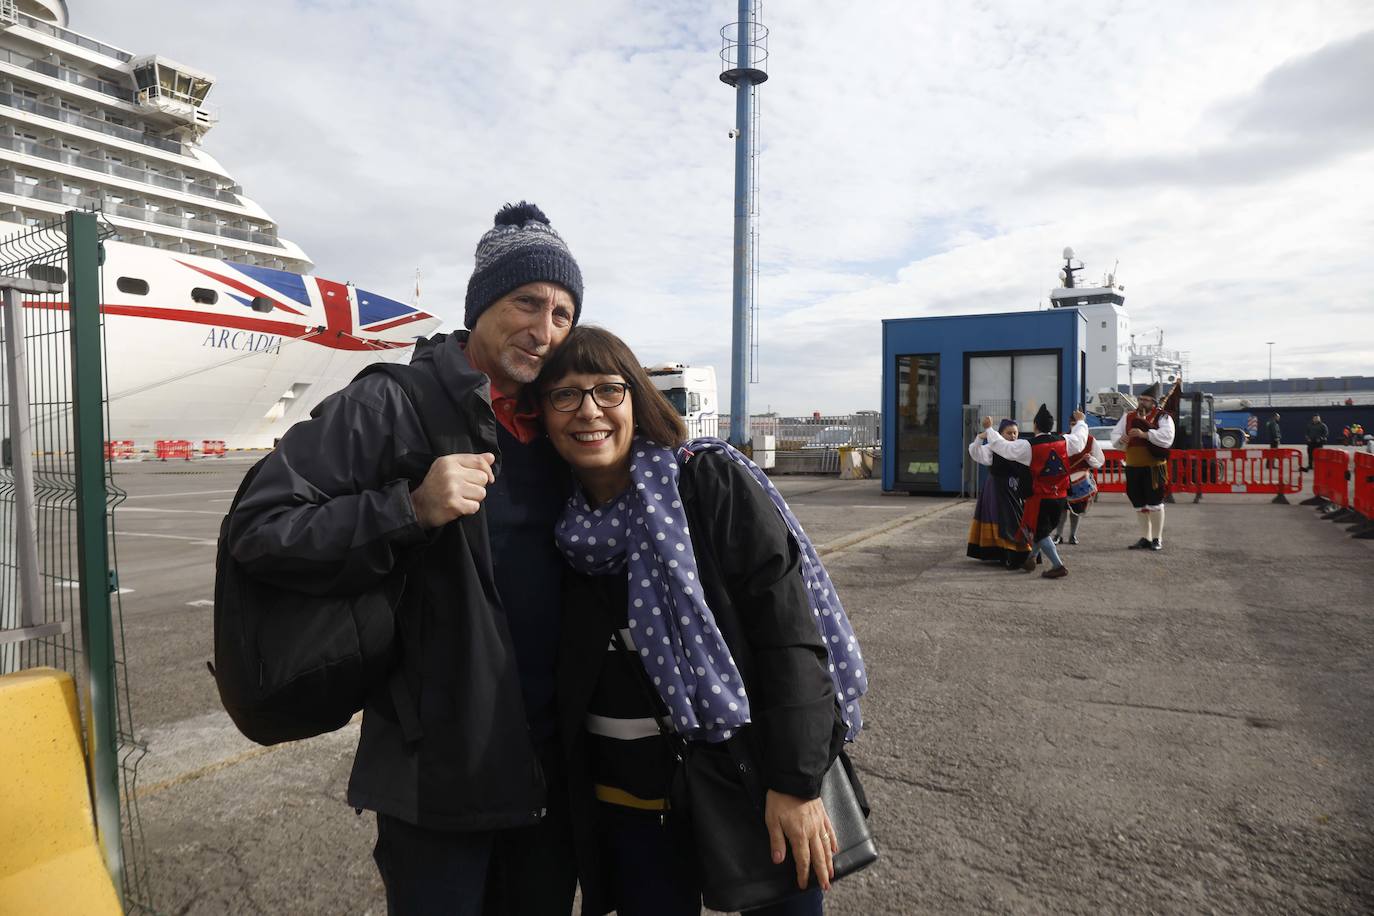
x=606, y=395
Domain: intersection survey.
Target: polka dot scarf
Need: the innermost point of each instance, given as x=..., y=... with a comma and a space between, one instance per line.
x=847, y=670
x=644, y=532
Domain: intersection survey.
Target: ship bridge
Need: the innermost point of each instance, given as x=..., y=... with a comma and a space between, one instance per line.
x=173, y=92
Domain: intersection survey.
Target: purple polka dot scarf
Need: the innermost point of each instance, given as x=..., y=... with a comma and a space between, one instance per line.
x=644, y=533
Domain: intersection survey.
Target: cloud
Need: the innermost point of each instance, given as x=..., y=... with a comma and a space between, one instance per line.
x=916, y=159
x=1306, y=112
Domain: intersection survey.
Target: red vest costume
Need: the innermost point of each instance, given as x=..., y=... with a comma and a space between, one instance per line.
x=1142, y=453
x=1049, y=467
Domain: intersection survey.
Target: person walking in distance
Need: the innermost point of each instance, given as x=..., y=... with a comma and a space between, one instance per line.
x=1145, y=435
x=1317, y=434
x=1047, y=456
x=458, y=756
x=1273, y=432
x=1082, y=486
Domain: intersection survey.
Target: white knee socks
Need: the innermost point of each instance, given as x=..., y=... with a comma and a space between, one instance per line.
x=1144, y=523
x=1157, y=525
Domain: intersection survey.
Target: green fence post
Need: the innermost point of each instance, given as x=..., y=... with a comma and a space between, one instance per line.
x=97, y=631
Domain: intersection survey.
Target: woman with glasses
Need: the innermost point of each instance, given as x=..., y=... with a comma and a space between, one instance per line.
x=695, y=604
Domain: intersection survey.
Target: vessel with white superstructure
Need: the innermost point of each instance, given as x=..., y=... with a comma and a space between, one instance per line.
x=215, y=327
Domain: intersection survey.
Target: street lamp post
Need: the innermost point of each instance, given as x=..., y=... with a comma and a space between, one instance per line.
x=1271, y=372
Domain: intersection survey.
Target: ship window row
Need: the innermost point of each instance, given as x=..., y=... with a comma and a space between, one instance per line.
x=220, y=250
x=57, y=149
x=136, y=205
x=49, y=104
x=201, y=295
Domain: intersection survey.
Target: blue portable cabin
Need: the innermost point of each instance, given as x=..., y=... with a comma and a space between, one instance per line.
x=932, y=367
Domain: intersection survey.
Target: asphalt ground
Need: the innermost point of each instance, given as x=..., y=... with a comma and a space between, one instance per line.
x=1184, y=731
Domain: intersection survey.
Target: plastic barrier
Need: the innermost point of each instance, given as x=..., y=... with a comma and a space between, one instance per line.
x=49, y=860
x=119, y=449
x=210, y=447
x=1330, y=472
x=1241, y=470
x=1364, y=494
x=172, y=448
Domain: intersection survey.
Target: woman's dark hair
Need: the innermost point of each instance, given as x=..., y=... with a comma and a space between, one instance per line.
x=590, y=350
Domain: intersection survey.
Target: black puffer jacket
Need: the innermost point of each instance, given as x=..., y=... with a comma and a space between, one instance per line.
x=445, y=745
x=750, y=569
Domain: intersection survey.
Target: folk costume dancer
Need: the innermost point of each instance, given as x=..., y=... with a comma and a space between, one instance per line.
x=995, y=532
x=1082, y=486
x=1047, y=456
x=1145, y=435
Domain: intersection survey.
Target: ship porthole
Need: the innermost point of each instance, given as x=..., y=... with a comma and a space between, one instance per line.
x=263, y=304
x=132, y=285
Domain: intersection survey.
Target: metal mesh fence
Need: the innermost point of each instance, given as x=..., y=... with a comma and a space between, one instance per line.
x=43, y=615
x=973, y=414
x=811, y=445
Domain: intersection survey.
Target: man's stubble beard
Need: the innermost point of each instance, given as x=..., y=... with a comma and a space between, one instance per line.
x=518, y=370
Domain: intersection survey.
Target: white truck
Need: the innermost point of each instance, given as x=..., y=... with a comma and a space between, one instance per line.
x=692, y=392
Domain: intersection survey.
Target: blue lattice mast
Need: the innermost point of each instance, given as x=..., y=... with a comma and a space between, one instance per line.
x=744, y=53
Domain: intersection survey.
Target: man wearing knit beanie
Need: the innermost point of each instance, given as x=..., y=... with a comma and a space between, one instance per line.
x=458, y=754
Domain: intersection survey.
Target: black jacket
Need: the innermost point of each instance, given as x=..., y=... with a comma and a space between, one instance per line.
x=445, y=743
x=1317, y=432
x=750, y=569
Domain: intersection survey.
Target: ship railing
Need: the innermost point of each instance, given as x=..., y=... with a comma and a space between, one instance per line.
x=94, y=164
x=127, y=211
x=90, y=44
x=71, y=76
x=42, y=109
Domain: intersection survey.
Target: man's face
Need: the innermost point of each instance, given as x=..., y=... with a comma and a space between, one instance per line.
x=517, y=333
x=1146, y=404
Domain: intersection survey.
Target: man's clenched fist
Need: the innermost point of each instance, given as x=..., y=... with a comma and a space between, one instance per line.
x=455, y=486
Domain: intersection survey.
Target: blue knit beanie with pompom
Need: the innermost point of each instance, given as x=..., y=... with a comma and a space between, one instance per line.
x=520, y=248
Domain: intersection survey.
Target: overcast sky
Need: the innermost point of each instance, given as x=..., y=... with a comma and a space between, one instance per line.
x=918, y=158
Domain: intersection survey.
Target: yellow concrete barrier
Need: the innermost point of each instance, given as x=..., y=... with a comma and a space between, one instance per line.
x=49, y=860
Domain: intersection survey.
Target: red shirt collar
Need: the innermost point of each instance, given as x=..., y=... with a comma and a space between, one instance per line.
x=523, y=426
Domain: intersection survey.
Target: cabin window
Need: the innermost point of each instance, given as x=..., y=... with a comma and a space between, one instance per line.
x=204, y=296
x=47, y=273
x=263, y=304
x=132, y=285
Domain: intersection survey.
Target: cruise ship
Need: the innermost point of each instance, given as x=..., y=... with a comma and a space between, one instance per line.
x=216, y=327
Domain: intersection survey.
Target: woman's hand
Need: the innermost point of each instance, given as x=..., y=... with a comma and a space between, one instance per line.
x=805, y=825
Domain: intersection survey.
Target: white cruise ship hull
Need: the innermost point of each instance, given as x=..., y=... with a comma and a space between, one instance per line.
x=239, y=369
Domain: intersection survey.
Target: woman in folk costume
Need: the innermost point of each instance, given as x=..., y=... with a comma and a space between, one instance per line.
x=687, y=569
x=1082, y=486
x=995, y=533
x=1145, y=435
x=1047, y=456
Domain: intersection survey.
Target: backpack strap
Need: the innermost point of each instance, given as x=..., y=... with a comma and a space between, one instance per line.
x=432, y=403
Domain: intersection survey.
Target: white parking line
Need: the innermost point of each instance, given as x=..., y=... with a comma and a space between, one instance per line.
x=203, y=602
x=173, y=511
x=169, y=495
x=211, y=542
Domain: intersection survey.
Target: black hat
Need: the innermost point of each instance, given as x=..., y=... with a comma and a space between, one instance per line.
x=520, y=248
x=1151, y=392
x=1044, y=420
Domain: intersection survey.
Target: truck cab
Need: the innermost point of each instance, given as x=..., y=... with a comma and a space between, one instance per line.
x=692, y=392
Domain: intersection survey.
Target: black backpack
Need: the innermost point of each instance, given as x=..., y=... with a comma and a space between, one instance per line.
x=291, y=665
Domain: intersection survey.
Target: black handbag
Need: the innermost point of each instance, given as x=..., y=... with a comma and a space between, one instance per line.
x=719, y=793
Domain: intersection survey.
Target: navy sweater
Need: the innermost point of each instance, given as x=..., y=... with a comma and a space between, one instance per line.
x=522, y=508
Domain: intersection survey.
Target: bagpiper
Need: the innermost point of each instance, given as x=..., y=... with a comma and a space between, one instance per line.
x=1145, y=435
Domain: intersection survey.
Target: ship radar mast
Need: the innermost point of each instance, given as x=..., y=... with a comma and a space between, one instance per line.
x=1068, y=270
